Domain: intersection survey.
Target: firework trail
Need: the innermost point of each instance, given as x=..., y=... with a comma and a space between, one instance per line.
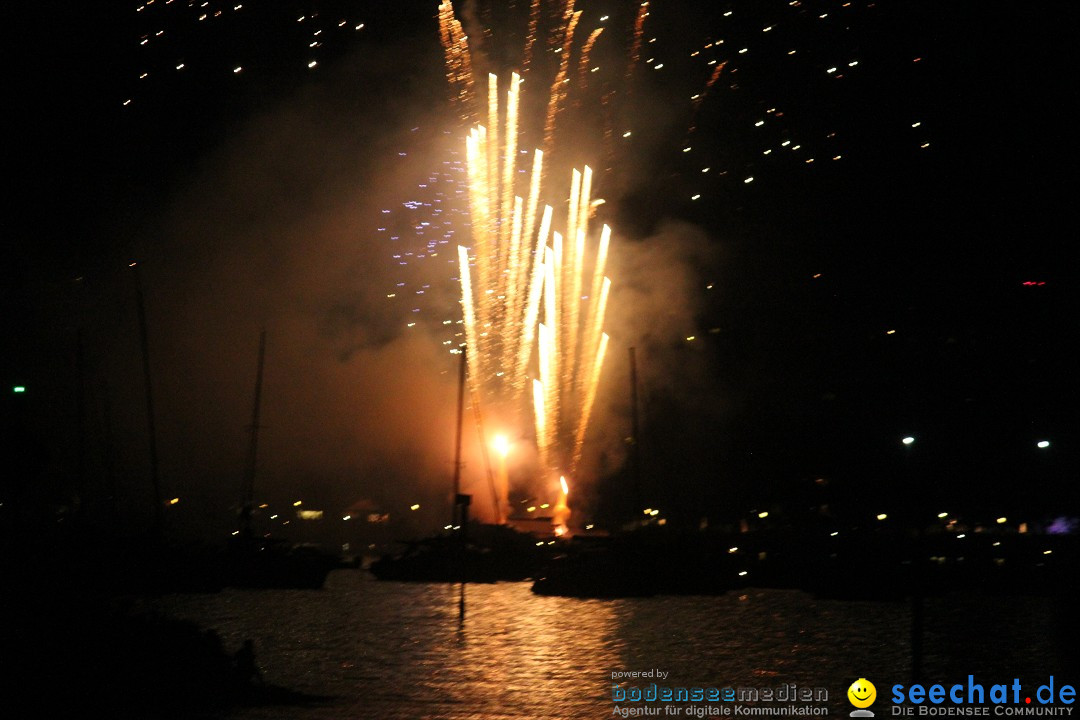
x=533, y=285
x=700, y=97
x=558, y=85
x=530, y=35
x=459, y=72
x=635, y=46
x=517, y=272
x=583, y=61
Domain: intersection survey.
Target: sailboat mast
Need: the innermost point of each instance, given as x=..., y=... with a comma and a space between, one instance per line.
x=457, y=450
x=159, y=518
x=247, y=499
x=634, y=447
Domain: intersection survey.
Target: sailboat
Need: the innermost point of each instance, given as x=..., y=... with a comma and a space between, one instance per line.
x=469, y=552
x=263, y=561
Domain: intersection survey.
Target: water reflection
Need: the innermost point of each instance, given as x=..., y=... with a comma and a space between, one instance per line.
x=397, y=650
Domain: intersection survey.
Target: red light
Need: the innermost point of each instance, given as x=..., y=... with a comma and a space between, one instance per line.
x=1033, y=283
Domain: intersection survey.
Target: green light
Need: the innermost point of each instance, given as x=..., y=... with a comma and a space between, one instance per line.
x=19, y=389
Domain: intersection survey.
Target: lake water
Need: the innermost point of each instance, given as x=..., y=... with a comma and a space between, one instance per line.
x=397, y=650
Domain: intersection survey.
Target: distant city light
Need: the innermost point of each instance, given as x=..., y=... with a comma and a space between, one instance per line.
x=763, y=514
x=415, y=506
x=882, y=516
x=22, y=389
x=174, y=501
x=1041, y=443
x=908, y=440
x=1002, y=520
x=298, y=503
x=943, y=515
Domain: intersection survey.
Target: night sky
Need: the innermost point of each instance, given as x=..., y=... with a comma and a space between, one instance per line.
x=881, y=246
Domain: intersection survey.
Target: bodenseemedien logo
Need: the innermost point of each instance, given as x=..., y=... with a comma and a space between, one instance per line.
x=862, y=694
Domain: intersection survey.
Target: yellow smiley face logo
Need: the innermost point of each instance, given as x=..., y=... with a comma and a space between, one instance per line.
x=862, y=693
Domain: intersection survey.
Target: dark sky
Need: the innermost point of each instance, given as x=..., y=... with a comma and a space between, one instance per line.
x=252, y=199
